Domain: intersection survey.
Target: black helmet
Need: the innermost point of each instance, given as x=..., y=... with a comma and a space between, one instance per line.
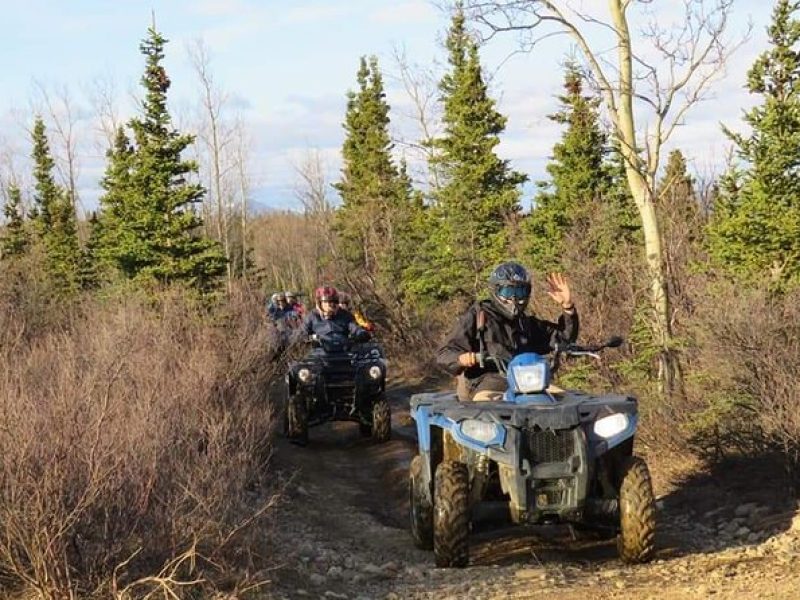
x=510, y=287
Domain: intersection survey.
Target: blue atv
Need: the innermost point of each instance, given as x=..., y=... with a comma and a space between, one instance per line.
x=547, y=455
x=340, y=379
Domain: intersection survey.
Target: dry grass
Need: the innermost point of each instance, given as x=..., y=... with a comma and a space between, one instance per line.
x=133, y=448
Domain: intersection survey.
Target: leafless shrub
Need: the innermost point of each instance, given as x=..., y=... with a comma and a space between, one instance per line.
x=133, y=448
x=745, y=374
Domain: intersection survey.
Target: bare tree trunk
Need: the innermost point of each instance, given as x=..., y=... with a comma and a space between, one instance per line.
x=244, y=191
x=644, y=197
x=213, y=103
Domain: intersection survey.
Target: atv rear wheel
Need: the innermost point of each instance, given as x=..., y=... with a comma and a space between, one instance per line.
x=451, y=515
x=297, y=420
x=637, y=512
x=381, y=420
x=420, y=507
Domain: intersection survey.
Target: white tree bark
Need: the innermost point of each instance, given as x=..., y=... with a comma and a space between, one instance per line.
x=217, y=137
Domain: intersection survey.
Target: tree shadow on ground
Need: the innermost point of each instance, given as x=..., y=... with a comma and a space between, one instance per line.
x=749, y=491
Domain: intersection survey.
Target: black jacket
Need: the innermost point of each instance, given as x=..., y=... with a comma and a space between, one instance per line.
x=342, y=323
x=504, y=337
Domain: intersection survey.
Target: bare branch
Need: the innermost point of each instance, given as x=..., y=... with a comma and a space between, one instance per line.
x=420, y=85
x=216, y=137
x=102, y=94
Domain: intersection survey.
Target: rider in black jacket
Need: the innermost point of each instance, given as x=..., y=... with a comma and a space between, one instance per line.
x=508, y=331
x=328, y=319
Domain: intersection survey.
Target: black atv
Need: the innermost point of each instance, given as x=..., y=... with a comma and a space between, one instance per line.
x=340, y=379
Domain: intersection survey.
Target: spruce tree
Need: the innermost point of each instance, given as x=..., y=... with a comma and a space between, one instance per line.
x=755, y=229
x=46, y=191
x=407, y=234
x=94, y=269
x=682, y=225
x=579, y=175
x=373, y=223
x=150, y=228
x=617, y=224
x=15, y=238
x=369, y=177
x=118, y=242
x=54, y=219
x=480, y=192
x=677, y=200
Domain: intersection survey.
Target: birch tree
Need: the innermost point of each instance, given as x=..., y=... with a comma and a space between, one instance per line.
x=219, y=150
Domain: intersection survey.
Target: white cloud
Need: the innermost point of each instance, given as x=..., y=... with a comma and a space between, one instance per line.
x=316, y=12
x=412, y=11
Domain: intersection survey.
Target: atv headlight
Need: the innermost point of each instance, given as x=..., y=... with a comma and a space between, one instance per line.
x=375, y=372
x=304, y=375
x=530, y=378
x=480, y=431
x=610, y=426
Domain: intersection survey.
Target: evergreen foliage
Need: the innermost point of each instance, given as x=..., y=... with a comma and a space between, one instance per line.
x=54, y=219
x=368, y=174
x=755, y=229
x=467, y=224
x=677, y=202
x=94, y=269
x=374, y=223
x=587, y=201
x=46, y=192
x=15, y=240
x=118, y=240
x=150, y=228
x=577, y=171
x=620, y=220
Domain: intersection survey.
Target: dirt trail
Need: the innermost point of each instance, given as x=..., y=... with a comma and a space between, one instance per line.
x=344, y=534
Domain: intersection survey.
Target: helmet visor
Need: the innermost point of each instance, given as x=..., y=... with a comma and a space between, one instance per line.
x=514, y=292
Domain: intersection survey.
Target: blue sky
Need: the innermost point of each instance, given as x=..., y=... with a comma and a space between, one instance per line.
x=290, y=64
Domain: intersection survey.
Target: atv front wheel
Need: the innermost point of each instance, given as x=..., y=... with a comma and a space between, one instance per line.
x=297, y=420
x=381, y=420
x=637, y=512
x=451, y=515
x=420, y=507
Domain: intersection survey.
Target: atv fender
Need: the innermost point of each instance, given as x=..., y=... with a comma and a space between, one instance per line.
x=426, y=476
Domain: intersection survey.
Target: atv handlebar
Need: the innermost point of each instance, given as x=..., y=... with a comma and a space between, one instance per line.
x=561, y=349
x=575, y=350
x=358, y=338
